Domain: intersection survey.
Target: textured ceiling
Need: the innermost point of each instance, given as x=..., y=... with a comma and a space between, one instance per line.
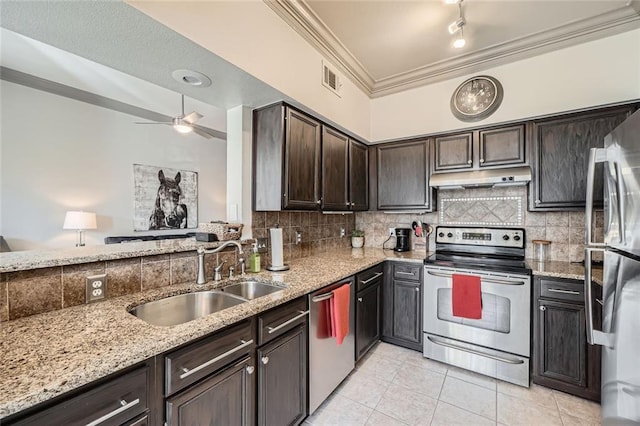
x=387, y=46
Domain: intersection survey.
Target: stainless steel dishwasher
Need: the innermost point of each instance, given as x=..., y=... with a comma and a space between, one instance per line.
x=329, y=363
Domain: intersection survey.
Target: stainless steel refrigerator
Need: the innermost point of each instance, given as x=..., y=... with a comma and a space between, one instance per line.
x=620, y=334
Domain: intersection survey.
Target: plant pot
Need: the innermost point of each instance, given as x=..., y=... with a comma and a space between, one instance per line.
x=357, y=242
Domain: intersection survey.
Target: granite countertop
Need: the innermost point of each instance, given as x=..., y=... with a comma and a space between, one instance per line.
x=46, y=355
x=33, y=259
x=568, y=270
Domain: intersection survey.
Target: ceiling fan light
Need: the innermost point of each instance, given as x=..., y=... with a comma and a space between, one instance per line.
x=181, y=126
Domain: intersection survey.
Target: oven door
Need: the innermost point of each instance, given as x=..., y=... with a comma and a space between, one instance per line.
x=506, y=310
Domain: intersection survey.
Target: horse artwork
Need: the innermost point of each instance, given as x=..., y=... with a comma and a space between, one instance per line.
x=175, y=205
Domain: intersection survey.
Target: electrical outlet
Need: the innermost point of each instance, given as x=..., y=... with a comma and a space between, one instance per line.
x=262, y=245
x=342, y=232
x=96, y=288
x=298, y=237
x=392, y=232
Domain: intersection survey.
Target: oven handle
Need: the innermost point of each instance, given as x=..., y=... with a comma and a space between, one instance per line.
x=488, y=280
x=475, y=352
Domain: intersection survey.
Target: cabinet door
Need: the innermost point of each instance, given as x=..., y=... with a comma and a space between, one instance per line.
x=368, y=317
x=358, y=176
x=561, y=153
x=335, y=164
x=501, y=147
x=302, y=162
x=282, y=379
x=561, y=342
x=226, y=398
x=453, y=152
x=407, y=310
x=403, y=176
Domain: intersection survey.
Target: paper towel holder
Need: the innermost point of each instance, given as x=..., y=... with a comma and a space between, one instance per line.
x=276, y=250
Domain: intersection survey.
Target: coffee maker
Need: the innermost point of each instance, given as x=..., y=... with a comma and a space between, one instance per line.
x=402, y=239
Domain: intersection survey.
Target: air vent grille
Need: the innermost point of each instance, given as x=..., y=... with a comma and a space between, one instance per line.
x=330, y=78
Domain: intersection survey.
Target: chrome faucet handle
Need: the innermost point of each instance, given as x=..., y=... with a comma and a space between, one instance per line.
x=241, y=260
x=219, y=267
x=231, y=269
x=217, y=271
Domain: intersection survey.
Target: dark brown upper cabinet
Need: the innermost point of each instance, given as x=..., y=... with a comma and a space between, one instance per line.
x=402, y=175
x=301, y=164
x=561, y=154
x=480, y=149
x=344, y=172
x=286, y=155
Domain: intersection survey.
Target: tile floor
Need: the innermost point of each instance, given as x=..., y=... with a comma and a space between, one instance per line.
x=396, y=386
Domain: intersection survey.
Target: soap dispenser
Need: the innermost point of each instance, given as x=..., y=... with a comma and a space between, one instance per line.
x=254, y=259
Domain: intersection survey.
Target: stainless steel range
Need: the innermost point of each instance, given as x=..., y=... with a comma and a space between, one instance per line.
x=497, y=342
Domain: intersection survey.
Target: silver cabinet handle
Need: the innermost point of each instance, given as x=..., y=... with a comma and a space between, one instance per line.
x=353, y=204
x=265, y=360
x=537, y=201
x=482, y=160
x=594, y=337
x=558, y=290
x=542, y=308
x=348, y=203
x=417, y=289
x=378, y=275
x=322, y=297
x=406, y=273
x=318, y=202
x=124, y=406
x=241, y=346
x=488, y=280
x=250, y=369
x=360, y=299
x=289, y=321
x=595, y=156
x=469, y=161
x=600, y=302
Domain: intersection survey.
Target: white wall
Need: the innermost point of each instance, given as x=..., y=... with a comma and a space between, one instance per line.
x=253, y=37
x=590, y=74
x=58, y=154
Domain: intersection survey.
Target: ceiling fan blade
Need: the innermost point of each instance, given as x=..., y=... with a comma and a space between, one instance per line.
x=192, y=117
x=200, y=131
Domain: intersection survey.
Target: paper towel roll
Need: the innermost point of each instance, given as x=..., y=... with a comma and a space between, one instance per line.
x=277, y=256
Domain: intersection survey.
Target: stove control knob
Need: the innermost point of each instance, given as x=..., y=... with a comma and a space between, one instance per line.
x=441, y=235
x=505, y=237
x=449, y=235
x=516, y=237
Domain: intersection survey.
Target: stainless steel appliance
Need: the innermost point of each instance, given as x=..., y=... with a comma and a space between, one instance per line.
x=498, y=344
x=402, y=239
x=329, y=363
x=621, y=308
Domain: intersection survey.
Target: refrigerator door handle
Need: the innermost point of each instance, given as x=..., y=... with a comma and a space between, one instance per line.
x=596, y=155
x=594, y=337
x=621, y=200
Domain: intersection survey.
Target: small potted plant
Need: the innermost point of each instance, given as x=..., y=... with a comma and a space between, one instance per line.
x=357, y=238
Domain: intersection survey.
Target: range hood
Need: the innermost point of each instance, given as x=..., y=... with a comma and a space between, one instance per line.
x=513, y=176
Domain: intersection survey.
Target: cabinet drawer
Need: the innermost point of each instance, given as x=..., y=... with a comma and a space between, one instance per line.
x=570, y=290
x=111, y=403
x=278, y=321
x=407, y=271
x=198, y=360
x=369, y=277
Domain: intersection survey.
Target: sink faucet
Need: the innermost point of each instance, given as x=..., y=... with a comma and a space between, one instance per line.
x=201, y=252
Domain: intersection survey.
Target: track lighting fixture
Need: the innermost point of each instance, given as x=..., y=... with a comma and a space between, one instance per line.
x=457, y=26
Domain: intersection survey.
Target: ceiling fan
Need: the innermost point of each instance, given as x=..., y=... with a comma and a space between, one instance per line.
x=185, y=123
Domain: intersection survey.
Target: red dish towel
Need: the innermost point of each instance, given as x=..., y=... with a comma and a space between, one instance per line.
x=340, y=312
x=466, y=296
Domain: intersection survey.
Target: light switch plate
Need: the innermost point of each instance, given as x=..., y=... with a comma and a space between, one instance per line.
x=96, y=288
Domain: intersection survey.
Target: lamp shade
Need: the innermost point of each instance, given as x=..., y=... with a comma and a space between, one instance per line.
x=79, y=220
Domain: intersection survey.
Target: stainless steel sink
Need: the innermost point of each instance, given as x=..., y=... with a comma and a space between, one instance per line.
x=186, y=307
x=252, y=289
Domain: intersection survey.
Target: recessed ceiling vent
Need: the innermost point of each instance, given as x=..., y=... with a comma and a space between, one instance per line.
x=330, y=78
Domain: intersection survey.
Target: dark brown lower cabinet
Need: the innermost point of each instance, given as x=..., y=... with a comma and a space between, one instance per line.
x=225, y=398
x=368, y=309
x=563, y=359
x=282, y=379
x=402, y=306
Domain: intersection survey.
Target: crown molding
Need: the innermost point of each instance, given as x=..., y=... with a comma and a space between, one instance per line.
x=303, y=20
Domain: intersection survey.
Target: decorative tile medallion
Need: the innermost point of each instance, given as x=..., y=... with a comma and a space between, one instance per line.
x=499, y=211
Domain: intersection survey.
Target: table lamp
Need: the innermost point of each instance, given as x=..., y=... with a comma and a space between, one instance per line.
x=79, y=221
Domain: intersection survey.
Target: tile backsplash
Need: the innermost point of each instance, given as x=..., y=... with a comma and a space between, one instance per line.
x=490, y=207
